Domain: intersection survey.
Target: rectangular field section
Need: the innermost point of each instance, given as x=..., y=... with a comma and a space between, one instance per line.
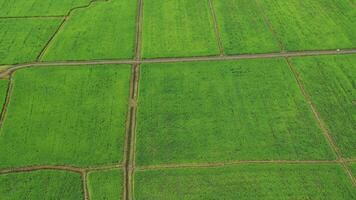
x=21, y=40
x=106, y=30
x=25, y=8
x=178, y=28
x=41, y=185
x=246, y=182
x=106, y=185
x=313, y=24
x=66, y=116
x=330, y=81
x=242, y=28
x=220, y=111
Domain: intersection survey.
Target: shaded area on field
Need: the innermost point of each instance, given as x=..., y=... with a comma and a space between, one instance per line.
x=66, y=116
x=102, y=31
x=15, y=8
x=247, y=182
x=312, y=24
x=243, y=28
x=178, y=28
x=221, y=111
x=21, y=40
x=41, y=185
x=106, y=185
x=330, y=81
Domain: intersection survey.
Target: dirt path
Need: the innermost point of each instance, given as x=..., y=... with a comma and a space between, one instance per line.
x=84, y=176
x=13, y=68
x=216, y=28
x=321, y=123
x=6, y=103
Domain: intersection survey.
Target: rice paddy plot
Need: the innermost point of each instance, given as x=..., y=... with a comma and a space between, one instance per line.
x=313, y=24
x=21, y=40
x=106, y=30
x=242, y=27
x=246, y=182
x=66, y=116
x=106, y=185
x=28, y=8
x=41, y=185
x=220, y=111
x=330, y=81
x=178, y=28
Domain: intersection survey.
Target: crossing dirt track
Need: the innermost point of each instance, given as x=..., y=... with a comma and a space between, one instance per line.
x=184, y=99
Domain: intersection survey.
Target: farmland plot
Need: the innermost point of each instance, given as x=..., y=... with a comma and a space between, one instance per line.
x=41, y=185
x=313, y=24
x=66, y=116
x=21, y=40
x=246, y=182
x=105, y=30
x=178, y=28
x=23, y=8
x=243, y=29
x=221, y=111
x=106, y=185
x=330, y=81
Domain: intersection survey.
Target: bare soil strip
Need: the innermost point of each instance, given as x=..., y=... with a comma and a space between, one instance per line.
x=6, y=103
x=60, y=27
x=228, y=163
x=269, y=24
x=12, y=68
x=84, y=175
x=216, y=27
x=321, y=123
x=34, y=17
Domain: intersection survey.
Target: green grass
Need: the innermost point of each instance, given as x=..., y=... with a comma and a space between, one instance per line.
x=41, y=185
x=105, y=30
x=106, y=185
x=246, y=182
x=330, y=81
x=15, y=8
x=21, y=40
x=220, y=111
x=353, y=169
x=3, y=90
x=313, y=24
x=178, y=28
x=242, y=28
x=66, y=116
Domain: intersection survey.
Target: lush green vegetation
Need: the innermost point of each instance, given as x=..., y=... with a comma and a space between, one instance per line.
x=243, y=29
x=248, y=182
x=3, y=89
x=15, y=8
x=106, y=185
x=353, y=168
x=73, y=116
x=178, y=28
x=313, y=24
x=105, y=30
x=21, y=40
x=330, y=81
x=41, y=185
x=219, y=111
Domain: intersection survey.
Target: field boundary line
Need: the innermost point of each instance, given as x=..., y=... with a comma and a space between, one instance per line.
x=33, y=17
x=228, y=163
x=129, y=162
x=216, y=28
x=319, y=120
x=60, y=27
x=270, y=26
x=84, y=176
x=5, y=106
x=12, y=68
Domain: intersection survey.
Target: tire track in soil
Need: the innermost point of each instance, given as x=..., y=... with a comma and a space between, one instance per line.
x=320, y=122
x=216, y=28
x=12, y=68
x=7, y=101
x=60, y=27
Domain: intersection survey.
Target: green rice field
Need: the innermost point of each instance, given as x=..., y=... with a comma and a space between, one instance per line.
x=178, y=100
